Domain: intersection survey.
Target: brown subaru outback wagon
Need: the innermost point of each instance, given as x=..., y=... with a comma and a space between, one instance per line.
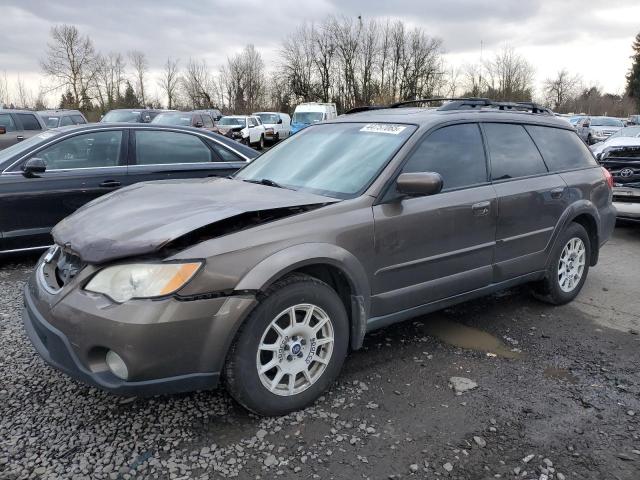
x=267, y=279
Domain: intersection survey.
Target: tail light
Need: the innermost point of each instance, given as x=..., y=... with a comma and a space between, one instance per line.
x=608, y=177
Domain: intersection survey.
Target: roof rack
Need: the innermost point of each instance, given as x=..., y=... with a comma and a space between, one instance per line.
x=364, y=108
x=467, y=103
x=480, y=101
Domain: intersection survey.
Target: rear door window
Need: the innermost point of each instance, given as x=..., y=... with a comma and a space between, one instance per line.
x=29, y=121
x=513, y=154
x=561, y=149
x=455, y=152
x=78, y=119
x=157, y=147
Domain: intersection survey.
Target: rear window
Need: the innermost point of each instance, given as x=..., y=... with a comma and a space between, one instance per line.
x=561, y=149
x=78, y=119
x=29, y=121
x=513, y=153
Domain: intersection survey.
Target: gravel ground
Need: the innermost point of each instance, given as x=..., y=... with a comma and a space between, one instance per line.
x=503, y=387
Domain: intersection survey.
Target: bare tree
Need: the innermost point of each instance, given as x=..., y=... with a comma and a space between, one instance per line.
x=298, y=60
x=323, y=55
x=243, y=81
x=4, y=91
x=140, y=67
x=109, y=80
x=71, y=61
x=560, y=89
x=24, y=97
x=170, y=81
x=508, y=76
x=198, y=85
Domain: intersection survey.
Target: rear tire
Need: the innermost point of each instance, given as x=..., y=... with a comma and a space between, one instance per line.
x=277, y=365
x=260, y=143
x=568, y=267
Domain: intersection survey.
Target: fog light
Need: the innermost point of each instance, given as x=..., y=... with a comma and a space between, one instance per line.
x=117, y=365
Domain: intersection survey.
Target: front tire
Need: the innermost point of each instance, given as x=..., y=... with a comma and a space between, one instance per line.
x=568, y=268
x=290, y=349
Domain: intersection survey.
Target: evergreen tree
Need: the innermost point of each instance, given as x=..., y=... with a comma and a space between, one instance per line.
x=633, y=77
x=68, y=101
x=129, y=100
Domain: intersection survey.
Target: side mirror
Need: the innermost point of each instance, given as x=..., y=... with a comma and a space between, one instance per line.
x=199, y=125
x=586, y=124
x=34, y=167
x=279, y=121
x=419, y=184
x=3, y=129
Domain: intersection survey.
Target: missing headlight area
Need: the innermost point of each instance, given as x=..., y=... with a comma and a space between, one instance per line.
x=235, y=224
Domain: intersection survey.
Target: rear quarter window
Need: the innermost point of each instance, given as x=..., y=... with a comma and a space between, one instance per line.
x=561, y=149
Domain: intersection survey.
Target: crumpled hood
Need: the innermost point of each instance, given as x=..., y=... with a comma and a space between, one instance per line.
x=144, y=217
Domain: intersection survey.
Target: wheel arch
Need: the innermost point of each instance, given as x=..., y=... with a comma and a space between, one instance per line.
x=332, y=264
x=586, y=214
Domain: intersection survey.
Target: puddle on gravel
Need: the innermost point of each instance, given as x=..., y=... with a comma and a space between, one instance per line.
x=470, y=338
x=559, y=374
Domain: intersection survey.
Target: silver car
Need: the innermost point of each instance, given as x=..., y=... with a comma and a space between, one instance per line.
x=17, y=125
x=597, y=129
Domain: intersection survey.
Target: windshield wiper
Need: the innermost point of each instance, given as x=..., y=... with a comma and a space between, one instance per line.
x=267, y=182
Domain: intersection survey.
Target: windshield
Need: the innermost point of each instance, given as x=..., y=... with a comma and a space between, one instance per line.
x=267, y=117
x=24, y=145
x=606, y=122
x=121, y=116
x=338, y=160
x=232, y=121
x=307, y=117
x=627, y=132
x=172, y=119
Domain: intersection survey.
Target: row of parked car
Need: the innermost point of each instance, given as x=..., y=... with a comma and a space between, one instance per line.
x=255, y=130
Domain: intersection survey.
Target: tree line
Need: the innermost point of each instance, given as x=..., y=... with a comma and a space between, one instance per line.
x=349, y=61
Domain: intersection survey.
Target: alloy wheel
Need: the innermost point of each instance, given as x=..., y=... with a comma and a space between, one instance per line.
x=571, y=264
x=295, y=349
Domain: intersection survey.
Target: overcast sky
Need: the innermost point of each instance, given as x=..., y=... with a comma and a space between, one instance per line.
x=589, y=37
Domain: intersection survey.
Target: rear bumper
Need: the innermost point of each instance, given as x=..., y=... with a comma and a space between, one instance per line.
x=54, y=347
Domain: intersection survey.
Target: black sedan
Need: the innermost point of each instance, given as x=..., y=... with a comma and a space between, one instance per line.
x=47, y=177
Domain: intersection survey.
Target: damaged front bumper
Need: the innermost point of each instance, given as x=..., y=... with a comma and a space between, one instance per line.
x=168, y=345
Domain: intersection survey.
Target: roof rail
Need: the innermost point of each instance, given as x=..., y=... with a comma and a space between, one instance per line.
x=468, y=103
x=465, y=104
x=364, y=108
x=480, y=101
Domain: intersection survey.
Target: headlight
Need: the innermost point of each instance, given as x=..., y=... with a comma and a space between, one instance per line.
x=142, y=280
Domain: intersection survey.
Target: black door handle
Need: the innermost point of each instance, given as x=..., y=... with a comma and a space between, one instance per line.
x=481, y=209
x=110, y=184
x=557, y=193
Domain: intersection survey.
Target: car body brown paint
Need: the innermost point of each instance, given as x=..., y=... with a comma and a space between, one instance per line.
x=400, y=256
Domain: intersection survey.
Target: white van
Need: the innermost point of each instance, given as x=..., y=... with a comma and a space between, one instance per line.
x=307, y=113
x=277, y=125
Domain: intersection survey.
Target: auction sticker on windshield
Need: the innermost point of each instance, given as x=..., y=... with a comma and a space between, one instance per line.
x=383, y=128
